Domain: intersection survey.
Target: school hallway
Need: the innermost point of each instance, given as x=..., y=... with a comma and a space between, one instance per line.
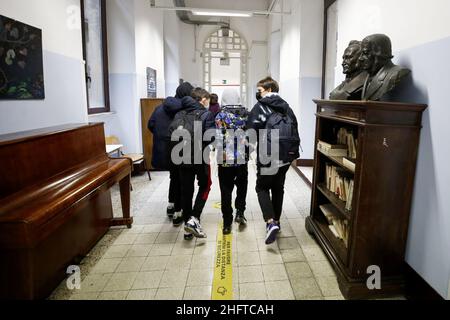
x=152, y=260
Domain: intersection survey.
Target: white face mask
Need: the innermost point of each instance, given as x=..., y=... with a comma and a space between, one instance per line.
x=206, y=104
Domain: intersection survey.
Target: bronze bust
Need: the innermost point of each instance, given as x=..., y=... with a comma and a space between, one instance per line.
x=351, y=88
x=383, y=76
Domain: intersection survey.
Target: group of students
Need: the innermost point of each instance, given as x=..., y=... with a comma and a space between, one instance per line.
x=196, y=104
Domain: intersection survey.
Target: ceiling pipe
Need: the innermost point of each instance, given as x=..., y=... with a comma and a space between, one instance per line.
x=184, y=16
x=272, y=6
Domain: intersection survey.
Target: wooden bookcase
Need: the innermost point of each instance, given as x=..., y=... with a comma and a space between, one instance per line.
x=388, y=138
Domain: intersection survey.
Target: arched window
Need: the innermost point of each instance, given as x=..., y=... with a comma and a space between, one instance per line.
x=228, y=47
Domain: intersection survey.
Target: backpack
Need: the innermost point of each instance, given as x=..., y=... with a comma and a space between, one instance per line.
x=185, y=120
x=289, y=138
x=233, y=118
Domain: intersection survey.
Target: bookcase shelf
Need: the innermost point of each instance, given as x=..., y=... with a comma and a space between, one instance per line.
x=335, y=201
x=387, y=137
x=339, y=161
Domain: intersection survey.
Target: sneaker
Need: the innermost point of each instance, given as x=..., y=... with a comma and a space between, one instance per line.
x=240, y=218
x=279, y=225
x=188, y=236
x=178, y=219
x=170, y=212
x=193, y=226
x=272, y=231
x=227, y=229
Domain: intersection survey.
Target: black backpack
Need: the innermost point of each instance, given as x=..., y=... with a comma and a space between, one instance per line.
x=185, y=120
x=289, y=138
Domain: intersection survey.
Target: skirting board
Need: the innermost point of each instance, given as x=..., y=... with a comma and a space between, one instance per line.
x=417, y=288
x=301, y=175
x=303, y=163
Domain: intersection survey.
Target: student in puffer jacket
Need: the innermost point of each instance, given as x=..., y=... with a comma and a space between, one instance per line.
x=232, y=154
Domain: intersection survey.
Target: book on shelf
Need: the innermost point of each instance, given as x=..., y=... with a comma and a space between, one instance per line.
x=339, y=182
x=348, y=204
x=332, y=150
x=349, y=163
x=339, y=227
x=346, y=137
x=328, y=212
x=333, y=230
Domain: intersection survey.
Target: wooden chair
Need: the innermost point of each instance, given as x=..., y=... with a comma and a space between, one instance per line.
x=136, y=158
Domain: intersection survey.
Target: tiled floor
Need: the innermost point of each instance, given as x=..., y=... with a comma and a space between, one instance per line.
x=152, y=260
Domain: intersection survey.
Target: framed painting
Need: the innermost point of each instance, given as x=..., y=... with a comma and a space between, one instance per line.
x=21, y=61
x=151, y=83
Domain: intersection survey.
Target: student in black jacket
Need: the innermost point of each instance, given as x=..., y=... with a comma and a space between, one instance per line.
x=159, y=126
x=270, y=187
x=195, y=107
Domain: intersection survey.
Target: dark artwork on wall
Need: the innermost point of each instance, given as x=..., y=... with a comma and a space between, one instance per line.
x=151, y=83
x=21, y=63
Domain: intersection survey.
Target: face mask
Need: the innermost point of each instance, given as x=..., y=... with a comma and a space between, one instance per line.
x=259, y=96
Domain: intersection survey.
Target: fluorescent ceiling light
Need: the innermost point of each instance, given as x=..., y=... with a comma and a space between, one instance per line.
x=223, y=13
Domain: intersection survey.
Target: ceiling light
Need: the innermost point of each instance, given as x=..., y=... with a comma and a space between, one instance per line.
x=197, y=12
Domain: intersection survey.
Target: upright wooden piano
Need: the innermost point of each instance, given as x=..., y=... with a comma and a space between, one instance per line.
x=55, y=204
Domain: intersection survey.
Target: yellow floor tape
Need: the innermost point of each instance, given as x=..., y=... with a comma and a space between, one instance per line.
x=223, y=269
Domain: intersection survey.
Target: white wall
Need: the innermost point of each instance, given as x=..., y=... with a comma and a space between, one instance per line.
x=301, y=62
x=149, y=39
x=65, y=87
x=172, y=38
x=135, y=42
x=420, y=32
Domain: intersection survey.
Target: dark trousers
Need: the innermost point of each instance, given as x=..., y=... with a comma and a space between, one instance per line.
x=187, y=179
x=271, y=206
x=228, y=178
x=175, y=188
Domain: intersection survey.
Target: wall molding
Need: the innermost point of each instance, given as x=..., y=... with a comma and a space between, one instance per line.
x=301, y=175
x=417, y=288
x=305, y=163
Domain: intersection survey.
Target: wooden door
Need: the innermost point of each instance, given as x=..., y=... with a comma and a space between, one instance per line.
x=148, y=106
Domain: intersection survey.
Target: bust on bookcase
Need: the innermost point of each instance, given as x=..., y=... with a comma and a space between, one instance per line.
x=364, y=167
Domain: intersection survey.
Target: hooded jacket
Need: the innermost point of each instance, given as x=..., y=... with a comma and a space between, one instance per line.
x=265, y=107
x=190, y=105
x=159, y=125
x=261, y=112
x=230, y=97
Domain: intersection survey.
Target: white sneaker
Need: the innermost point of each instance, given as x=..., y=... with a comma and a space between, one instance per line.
x=193, y=226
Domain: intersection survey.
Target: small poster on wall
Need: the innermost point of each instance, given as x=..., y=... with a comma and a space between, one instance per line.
x=21, y=63
x=151, y=83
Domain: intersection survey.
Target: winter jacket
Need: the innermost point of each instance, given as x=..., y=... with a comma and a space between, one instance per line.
x=190, y=105
x=230, y=97
x=214, y=109
x=159, y=126
x=263, y=110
